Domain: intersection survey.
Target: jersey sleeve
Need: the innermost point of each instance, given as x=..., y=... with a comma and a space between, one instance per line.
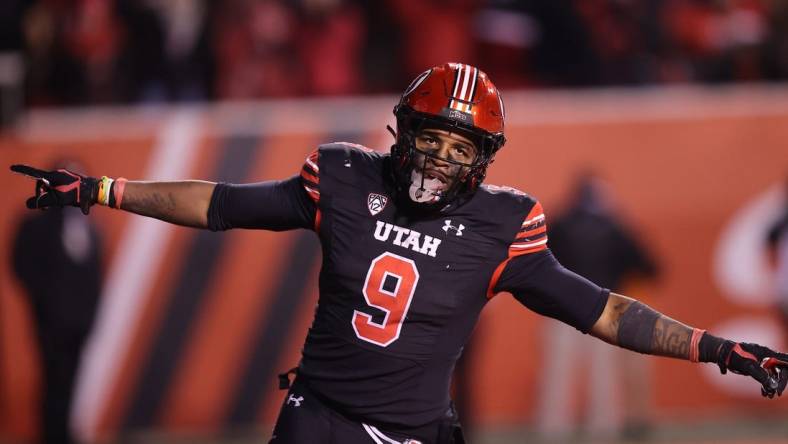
x=532, y=236
x=536, y=279
x=272, y=205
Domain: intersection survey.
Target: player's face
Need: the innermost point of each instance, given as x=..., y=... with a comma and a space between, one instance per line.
x=446, y=145
x=442, y=158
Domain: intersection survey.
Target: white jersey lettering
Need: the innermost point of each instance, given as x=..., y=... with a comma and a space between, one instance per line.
x=407, y=238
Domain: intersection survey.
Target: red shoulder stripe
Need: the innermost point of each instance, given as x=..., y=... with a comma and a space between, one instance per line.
x=527, y=247
x=531, y=238
x=529, y=233
x=311, y=161
x=310, y=177
x=535, y=216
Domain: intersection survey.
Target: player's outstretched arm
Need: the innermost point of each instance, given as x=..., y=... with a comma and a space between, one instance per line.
x=182, y=202
x=635, y=326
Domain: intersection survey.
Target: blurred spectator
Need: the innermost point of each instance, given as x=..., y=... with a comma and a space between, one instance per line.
x=506, y=35
x=11, y=61
x=562, y=54
x=777, y=241
x=591, y=239
x=330, y=38
x=382, y=54
x=140, y=60
x=255, y=50
x=94, y=37
x=56, y=257
x=776, y=52
x=186, y=57
x=723, y=39
x=54, y=75
x=11, y=13
x=435, y=31
x=109, y=51
x=625, y=37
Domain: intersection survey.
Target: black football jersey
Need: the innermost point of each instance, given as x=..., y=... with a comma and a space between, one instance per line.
x=399, y=296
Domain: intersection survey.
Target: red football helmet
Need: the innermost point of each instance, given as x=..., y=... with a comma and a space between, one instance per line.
x=455, y=97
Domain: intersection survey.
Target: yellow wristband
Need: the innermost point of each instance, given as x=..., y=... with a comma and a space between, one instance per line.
x=105, y=185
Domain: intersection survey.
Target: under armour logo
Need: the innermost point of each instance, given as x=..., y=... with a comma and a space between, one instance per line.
x=457, y=230
x=296, y=401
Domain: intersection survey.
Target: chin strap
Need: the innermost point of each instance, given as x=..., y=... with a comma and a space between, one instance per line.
x=423, y=168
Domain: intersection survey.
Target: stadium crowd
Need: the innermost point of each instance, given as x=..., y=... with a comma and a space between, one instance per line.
x=130, y=51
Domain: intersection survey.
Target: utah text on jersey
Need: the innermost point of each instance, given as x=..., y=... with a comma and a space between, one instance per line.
x=407, y=238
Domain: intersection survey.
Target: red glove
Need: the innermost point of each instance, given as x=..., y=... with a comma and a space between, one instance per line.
x=60, y=188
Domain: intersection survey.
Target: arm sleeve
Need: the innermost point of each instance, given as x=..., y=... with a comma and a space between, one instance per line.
x=543, y=285
x=273, y=205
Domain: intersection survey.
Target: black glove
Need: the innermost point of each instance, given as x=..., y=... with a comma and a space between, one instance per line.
x=765, y=365
x=60, y=188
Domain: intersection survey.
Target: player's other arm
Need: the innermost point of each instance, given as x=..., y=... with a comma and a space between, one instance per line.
x=633, y=325
x=541, y=283
x=644, y=330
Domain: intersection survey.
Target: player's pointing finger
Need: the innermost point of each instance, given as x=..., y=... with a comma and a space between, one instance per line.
x=29, y=171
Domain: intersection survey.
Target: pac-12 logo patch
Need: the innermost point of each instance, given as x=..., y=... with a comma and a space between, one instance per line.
x=376, y=203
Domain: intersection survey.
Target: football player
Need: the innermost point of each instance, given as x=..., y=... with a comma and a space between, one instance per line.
x=414, y=246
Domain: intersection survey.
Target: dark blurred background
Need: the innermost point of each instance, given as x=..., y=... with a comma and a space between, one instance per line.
x=81, y=52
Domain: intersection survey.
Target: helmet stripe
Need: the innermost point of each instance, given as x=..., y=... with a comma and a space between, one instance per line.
x=464, y=88
x=473, y=90
x=465, y=83
x=457, y=72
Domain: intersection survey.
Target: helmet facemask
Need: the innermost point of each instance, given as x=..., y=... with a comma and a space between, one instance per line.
x=431, y=192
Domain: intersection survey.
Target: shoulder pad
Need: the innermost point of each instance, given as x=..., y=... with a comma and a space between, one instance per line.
x=344, y=154
x=346, y=145
x=518, y=195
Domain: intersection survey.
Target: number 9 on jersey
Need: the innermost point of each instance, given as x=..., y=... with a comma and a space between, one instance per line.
x=389, y=286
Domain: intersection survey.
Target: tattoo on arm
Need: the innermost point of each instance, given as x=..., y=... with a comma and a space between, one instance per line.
x=155, y=204
x=638, y=327
x=619, y=308
x=183, y=202
x=671, y=338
